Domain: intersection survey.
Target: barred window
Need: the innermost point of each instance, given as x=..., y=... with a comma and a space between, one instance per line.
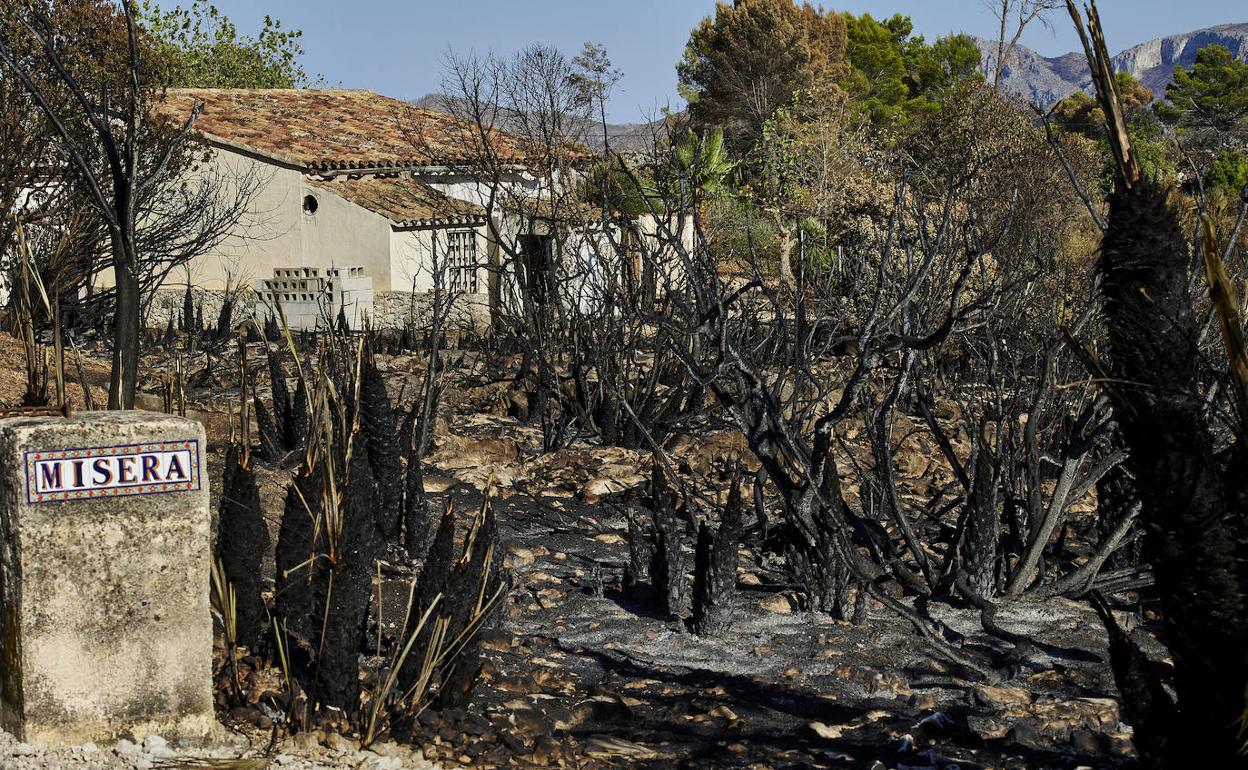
x=461, y=260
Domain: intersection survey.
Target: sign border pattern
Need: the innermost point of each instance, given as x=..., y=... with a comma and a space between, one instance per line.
x=34, y=455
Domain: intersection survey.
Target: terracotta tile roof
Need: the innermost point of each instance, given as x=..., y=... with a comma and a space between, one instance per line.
x=404, y=200
x=325, y=130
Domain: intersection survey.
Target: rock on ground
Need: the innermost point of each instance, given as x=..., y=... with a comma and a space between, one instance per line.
x=155, y=752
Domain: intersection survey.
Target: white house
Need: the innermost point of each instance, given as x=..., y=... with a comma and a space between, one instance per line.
x=348, y=180
x=354, y=185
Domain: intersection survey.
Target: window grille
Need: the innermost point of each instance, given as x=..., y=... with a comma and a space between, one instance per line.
x=461, y=260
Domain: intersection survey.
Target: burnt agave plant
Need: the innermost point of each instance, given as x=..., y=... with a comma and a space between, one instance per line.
x=242, y=540
x=715, y=567
x=381, y=433
x=346, y=585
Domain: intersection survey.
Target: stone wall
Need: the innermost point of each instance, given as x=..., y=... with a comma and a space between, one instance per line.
x=167, y=303
x=391, y=309
x=401, y=309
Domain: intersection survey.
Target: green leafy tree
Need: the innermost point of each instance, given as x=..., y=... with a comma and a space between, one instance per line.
x=1229, y=173
x=894, y=75
x=1080, y=114
x=751, y=57
x=1213, y=94
x=203, y=49
x=878, y=78
x=936, y=70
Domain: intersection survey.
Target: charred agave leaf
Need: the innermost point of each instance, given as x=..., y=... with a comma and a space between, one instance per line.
x=281, y=400
x=417, y=521
x=270, y=446
x=346, y=588
x=474, y=580
x=242, y=540
x=295, y=555
x=381, y=434
x=715, y=568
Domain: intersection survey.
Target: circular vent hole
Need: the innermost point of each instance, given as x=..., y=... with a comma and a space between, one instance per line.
x=309, y=204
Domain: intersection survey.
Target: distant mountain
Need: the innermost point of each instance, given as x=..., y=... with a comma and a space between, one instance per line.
x=624, y=137
x=1044, y=80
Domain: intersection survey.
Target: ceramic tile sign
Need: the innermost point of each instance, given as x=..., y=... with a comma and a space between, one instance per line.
x=105, y=552
x=129, y=469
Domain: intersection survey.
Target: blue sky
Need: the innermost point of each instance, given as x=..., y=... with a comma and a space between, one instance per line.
x=397, y=47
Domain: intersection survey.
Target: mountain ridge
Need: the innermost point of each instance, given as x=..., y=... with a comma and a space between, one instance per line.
x=1045, y=80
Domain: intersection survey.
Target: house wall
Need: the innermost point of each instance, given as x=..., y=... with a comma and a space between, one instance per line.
x=412, y=270
x=276, y=233
x=412, y=258
x=465, y=188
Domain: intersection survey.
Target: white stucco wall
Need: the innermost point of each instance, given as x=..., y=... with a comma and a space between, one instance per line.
x=465, y=188
x=411, y=257
x=276, y=232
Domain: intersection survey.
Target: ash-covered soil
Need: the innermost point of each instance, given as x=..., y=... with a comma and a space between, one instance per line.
x=583, y=674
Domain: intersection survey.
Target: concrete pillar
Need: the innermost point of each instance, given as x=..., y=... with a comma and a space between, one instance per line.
x=105, y=548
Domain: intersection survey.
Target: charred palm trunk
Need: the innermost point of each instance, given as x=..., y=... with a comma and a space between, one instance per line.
x=417, y=521
x=1194, y=539
x=381, y=432
x=298, y=567
x=474, y=581
x=1193, y=510
x=980, y=546
x=434, y=574
x=299, y=415
x=667, y=564
x=270, y=440
x=281, y=402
